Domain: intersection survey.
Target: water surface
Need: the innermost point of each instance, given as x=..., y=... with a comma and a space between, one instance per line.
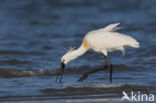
x=33, y=35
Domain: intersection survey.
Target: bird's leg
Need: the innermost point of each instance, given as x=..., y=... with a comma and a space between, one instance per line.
x=110, y=66
x=85, y=75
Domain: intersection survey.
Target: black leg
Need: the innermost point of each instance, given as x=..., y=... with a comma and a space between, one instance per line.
x=111, y=72
x=110, y=66
x=85, y=75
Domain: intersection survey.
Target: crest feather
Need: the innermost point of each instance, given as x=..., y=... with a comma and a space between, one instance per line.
x=71, y=49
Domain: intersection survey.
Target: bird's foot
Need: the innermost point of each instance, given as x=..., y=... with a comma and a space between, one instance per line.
x=85, y=75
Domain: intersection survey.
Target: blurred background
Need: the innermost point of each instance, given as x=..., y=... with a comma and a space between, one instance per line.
x=34, y=33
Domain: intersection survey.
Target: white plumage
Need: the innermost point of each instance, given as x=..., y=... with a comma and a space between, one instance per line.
x=102, y=40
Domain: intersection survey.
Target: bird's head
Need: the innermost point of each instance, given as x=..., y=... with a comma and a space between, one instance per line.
x=66, y=58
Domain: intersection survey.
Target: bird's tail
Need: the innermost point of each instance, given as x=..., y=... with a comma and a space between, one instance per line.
x=112, y=27
x=136, y=45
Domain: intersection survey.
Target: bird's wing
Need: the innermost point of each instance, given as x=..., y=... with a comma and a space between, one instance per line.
x=111, y=27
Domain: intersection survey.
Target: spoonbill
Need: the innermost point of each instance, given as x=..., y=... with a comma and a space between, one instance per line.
x=103, y=40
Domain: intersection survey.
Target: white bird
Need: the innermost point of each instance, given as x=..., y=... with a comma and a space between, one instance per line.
x=103, y=41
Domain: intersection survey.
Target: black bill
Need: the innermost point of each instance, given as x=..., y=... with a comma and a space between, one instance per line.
x=61, y=72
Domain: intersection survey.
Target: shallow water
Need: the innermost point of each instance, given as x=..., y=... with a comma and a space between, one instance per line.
x=33, y=36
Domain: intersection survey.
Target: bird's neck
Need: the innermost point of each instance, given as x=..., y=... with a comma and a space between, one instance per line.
x=78, y=52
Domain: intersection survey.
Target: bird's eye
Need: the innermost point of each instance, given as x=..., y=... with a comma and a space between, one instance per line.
x=63, y=60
